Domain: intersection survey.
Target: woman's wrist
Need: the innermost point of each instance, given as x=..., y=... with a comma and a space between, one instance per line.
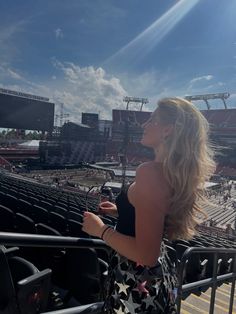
x=105, y=228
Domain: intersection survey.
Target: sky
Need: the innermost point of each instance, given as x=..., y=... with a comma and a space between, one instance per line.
x=90, y=54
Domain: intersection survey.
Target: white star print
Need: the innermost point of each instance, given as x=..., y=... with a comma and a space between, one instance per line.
x=122, y=287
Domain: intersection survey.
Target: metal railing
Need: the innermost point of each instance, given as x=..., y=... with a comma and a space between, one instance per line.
x=32, y=240
x=209, y=282
x=26, y=240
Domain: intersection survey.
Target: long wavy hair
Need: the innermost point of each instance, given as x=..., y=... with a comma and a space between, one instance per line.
x=188, y=164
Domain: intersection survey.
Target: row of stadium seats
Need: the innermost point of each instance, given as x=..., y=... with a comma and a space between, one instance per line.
x=31, y=208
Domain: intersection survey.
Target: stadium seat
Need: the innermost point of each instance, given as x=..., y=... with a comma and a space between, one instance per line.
x=25, y=208
x=24, y=224
x=52, y=258
x=41, y=215
x=11, y=202
x=74, y=207
x=58, y=222
x=23, y=289
x=60, y=210
x=75, y=216
x=7, y=219
x=2, y=197
x=8, y=302
x=46, y=230
x=83, y=275
x=75, y=229
x=33, y=200
x=23, y=196
x=46, y=205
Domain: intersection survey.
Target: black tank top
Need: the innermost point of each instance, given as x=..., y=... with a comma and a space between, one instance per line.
x=132, y=287
x=126, y=211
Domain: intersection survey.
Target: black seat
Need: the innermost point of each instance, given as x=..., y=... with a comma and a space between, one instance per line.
x=3, y=198
x=75, y=216
x=47, y=205
x=83, y=276
x=40, y=214
x=46, y=230
x=52, y=258
x=12, y=202
x=7, y=290
x=58, y=222
x=7, y=219
x=24, y=224
x=25, y=208
x=23, y=289
x=60, y=210
x=75, y=229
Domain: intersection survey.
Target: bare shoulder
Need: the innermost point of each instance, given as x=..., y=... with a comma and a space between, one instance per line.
x=152, y=174
x=150, y=185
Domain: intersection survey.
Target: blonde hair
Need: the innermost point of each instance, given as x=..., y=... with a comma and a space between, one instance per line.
x=187, y=166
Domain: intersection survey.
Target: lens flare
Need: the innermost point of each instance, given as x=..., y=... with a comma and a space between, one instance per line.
x=151, y=36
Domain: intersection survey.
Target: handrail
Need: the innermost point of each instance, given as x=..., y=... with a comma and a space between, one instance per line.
x=29, y=240
x=32, y=240
x=210, y=282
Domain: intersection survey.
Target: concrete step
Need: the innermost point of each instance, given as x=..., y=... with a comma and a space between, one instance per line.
x=201, y=304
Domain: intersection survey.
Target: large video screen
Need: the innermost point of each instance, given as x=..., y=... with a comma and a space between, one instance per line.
x=26, y=113
x=90, y=119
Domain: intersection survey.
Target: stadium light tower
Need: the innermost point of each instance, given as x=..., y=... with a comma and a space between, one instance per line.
x=206, y=97
x=62, y=116
x=142, y=101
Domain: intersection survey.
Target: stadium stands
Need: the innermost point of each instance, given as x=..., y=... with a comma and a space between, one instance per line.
x=79, y=275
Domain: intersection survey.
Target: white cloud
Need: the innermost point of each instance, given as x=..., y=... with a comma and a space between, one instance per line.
x=202, y=78
x=58, y=33
x=88, y=89
x=200, y=84
x=14, y=74
x=81, y=89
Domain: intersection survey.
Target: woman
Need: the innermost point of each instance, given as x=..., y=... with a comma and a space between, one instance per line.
x=162, y=202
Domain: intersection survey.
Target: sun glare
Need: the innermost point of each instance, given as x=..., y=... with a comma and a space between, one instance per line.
x=151, y=36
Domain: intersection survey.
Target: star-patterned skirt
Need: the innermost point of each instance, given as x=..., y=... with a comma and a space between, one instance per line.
x=132, y=288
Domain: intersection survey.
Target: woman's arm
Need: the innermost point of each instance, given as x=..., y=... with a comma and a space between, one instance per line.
x=144, y=248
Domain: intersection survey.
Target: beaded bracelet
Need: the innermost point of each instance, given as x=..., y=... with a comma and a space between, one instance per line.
x=104, y=231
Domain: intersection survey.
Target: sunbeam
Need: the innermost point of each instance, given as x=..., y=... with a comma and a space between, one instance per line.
x=141, y=45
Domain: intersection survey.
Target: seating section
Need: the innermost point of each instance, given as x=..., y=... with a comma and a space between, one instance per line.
x=77, y=277
x=37, y=209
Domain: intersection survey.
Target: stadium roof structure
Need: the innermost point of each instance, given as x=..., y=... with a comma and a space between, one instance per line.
x=207, y=97
x=24, y=95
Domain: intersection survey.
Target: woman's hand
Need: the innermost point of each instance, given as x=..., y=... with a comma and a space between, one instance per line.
x=107, y=208
x=92, y=224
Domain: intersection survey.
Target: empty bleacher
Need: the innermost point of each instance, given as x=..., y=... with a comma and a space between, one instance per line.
x=78, y=276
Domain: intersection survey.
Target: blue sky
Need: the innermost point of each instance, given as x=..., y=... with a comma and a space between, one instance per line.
x=89, y=54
